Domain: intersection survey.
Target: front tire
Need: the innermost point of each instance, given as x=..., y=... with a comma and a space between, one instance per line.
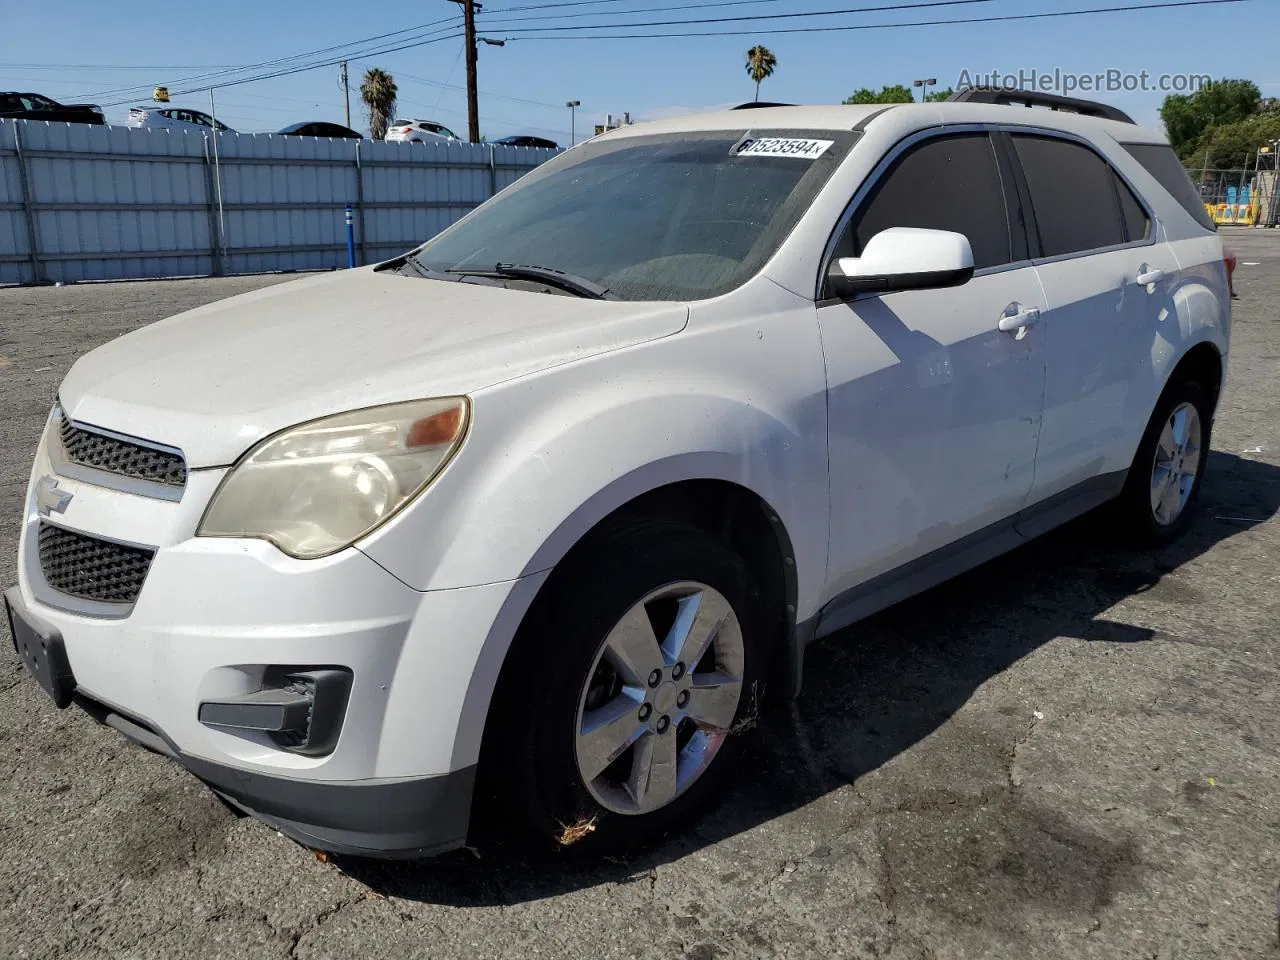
x=1160, y=494
x=616, y=719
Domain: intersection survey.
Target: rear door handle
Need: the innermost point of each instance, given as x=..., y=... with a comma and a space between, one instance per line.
x=1017, y=319
x=1148, y=275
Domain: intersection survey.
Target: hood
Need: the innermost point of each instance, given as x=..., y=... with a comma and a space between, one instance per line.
x=215, y=380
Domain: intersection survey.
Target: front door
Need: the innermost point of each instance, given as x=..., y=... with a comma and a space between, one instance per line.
x=934, y=411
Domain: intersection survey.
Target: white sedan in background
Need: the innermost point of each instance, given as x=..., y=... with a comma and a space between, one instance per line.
x=174, y=118
x=418, y=131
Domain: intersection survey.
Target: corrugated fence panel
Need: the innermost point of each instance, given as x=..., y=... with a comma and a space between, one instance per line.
x=110, y=202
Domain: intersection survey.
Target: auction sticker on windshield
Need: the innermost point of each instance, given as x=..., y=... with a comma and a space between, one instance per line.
x=781, y=147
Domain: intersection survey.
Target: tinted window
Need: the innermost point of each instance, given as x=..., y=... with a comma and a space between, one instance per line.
x=1136, y=224
x=651, y=217
x=1076, y=205
x=1162, y=163
x=950, y=183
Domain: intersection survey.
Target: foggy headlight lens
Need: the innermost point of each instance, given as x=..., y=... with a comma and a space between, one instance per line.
x=319, y=487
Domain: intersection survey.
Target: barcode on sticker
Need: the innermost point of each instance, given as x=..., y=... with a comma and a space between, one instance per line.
x=782, y=147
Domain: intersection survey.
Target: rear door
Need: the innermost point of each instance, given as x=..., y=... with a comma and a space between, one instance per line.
x=933, y=411
x=1106, y=281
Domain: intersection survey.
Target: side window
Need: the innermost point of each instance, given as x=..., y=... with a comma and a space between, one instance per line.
x=1161, y=162
x=1073, y=193
x=946, y=183
x=1136, y=224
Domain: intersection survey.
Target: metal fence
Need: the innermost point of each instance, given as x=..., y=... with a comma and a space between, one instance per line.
x=1243, y=197
x=80, y=202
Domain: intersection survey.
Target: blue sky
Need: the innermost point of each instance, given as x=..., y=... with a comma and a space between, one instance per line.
x=91, y=48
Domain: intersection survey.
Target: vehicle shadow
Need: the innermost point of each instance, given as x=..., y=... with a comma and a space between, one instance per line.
x=881, y=686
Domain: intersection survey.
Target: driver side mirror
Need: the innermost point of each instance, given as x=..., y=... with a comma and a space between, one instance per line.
x=904, y=258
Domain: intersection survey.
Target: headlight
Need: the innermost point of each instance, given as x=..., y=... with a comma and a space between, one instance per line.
x=317, y=488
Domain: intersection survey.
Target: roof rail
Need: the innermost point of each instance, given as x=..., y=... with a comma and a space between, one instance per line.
x=755, y=104
x=1033, y=98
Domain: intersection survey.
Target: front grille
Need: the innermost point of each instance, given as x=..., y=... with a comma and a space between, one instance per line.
x=90, y=568
x=115, y=455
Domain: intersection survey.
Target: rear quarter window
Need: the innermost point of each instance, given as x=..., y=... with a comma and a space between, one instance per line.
x=1159, y=160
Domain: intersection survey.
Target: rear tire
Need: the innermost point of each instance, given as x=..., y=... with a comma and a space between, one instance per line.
x=601, y=737
x=1158, y=501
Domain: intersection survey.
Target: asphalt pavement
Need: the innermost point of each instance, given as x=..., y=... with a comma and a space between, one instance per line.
x=1070, y=752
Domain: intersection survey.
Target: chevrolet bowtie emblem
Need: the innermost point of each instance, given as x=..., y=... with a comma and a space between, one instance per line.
x=49, y=499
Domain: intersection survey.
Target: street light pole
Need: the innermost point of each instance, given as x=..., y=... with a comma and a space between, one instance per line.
x=573, y=106
x=931, y=82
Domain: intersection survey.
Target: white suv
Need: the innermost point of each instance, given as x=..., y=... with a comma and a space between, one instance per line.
x=418, y=131
x=174, y=118
x=552, y=501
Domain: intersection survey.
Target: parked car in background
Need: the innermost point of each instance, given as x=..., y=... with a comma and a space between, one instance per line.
x=321, y=128
x=34, y=106
x=528, y=142
x=174, y=118
x=418, y=131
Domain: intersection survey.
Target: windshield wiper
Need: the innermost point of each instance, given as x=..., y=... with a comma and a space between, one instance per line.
x=572, y=283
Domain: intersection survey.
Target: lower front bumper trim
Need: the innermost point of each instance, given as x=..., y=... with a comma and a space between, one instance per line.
x=391, y=819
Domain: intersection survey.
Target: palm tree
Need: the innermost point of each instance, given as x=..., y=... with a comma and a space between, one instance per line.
x=378, y=91
x=760, y=65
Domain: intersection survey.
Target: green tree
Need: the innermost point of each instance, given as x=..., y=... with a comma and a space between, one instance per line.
x=939, y=95
x=760, y=65
x=1189, y=117
x=894, y=94
x=378, y=91
x=1232, y=146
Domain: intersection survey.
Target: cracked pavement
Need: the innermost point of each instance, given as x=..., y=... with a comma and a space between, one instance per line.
x=1070, y=752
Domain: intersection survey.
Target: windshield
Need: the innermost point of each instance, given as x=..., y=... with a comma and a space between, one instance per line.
x=672, y=217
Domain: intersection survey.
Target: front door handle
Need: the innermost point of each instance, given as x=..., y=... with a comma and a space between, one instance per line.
x=1147, y=275
x=1017, y=319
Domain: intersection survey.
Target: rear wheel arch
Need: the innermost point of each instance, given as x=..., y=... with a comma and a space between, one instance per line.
x=1203, y=363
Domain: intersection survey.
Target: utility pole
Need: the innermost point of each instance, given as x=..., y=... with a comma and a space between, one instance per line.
x=473, y=106
x=346, y=92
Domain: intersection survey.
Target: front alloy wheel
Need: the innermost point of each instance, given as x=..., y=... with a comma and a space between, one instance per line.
x=655, y=712
x=616, y=720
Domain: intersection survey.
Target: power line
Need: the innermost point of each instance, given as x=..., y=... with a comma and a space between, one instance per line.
x=542, y=17
x=85, y=67
x=760, y=16
x=304, y=67
x=497, y=96
x=292, y=57
x=570, y=3
x=867, y=26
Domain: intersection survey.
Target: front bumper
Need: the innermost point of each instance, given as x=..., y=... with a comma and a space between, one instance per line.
x=375, y=817
x=216, y=619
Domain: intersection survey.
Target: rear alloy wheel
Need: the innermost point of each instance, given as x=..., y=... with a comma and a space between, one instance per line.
x=1176, y=464
x=1160, y=492
x=614, y=722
